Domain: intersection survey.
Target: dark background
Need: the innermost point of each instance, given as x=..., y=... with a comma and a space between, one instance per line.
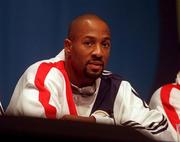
x=145, y=47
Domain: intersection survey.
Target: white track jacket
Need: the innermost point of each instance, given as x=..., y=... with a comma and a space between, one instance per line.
x=44, y=90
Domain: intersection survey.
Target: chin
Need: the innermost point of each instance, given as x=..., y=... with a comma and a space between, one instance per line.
x=93, y=75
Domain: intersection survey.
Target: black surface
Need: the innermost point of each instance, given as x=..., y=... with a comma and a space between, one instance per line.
x=27, y=128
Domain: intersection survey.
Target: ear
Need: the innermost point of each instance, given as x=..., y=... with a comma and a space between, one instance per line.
x=67, y=46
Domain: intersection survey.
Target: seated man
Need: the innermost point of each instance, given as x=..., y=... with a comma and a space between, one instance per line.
x=74, y=85
x=167, y=100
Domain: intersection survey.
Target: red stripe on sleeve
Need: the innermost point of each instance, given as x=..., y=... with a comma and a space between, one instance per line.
x=69, y=97
x=169, y=109
x=44, y=94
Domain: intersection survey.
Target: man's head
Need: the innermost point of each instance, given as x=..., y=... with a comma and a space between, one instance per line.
x=87, y=48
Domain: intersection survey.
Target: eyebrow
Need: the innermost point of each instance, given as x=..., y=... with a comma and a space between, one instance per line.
x=107, y=38
x=92, y=37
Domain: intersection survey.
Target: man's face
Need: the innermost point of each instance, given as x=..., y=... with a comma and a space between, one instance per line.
x=90, y=49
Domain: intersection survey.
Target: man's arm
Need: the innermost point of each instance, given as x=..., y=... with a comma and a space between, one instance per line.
x=131, y=110
x=38, y=94
x=166, y=100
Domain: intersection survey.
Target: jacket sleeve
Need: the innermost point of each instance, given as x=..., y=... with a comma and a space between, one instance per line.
x=43, y=99
x=130, y=110
x=168, y=103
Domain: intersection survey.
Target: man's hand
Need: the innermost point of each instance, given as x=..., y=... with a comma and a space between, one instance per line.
x=79, y=118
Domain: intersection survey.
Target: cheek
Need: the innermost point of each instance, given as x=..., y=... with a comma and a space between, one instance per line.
x=80, y=54
x=106, y=57
x=79, y=58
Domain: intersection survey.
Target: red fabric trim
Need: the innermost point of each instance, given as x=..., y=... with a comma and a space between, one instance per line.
x=69, y=96
x=44, y=94
x=169, y=109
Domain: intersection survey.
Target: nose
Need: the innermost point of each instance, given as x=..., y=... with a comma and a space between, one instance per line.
x=97, y=51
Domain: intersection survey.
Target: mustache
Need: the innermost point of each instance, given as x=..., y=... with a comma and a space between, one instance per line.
x=96, y=62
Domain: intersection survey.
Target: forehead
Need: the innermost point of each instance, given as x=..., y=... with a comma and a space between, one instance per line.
x=91, y=28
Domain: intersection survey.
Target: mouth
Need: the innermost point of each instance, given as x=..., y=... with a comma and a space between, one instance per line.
x=96, y=65
x=96, y=62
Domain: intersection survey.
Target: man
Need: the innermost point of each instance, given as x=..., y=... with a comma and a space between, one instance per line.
x=167, y=100
x=75, y=86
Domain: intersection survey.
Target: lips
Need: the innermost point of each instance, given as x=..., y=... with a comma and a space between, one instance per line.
x=96, y=65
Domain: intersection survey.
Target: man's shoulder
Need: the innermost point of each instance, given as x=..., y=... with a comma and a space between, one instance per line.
x=43, y=65
x=113, y=78
x=49, y=62
x=167, y=86
x=108, y=74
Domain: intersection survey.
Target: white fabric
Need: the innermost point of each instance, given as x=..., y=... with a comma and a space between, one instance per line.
x=127, y=106
x=178, y=78
x=174, y=101
x=1, y=110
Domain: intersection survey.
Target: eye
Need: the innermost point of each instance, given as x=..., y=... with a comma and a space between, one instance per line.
x=106, y=44
x=88, y=43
